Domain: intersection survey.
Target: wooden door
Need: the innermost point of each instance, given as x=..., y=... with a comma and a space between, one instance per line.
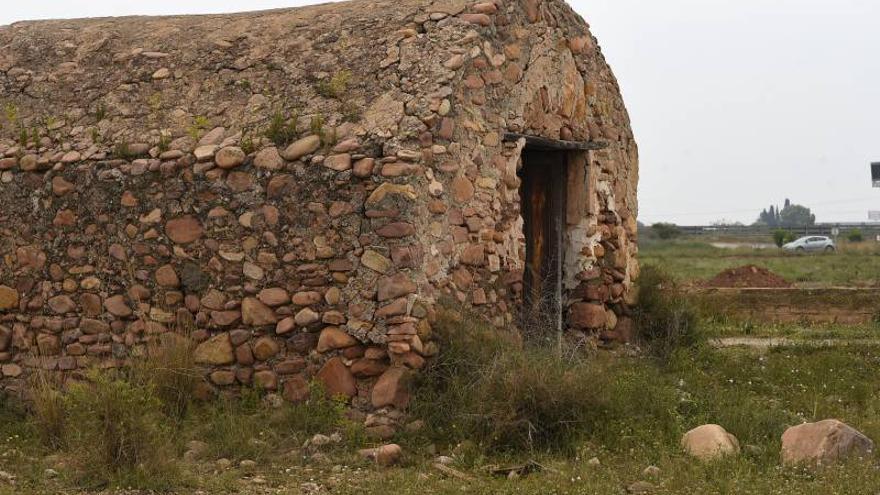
x=542, y=194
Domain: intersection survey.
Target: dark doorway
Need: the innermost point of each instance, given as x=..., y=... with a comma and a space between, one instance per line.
x=543, y=188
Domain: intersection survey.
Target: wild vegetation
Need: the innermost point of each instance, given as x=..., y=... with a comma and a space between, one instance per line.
x=689, y=260
x=587, y=422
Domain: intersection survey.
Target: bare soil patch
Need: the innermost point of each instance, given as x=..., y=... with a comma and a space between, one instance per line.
x=747, y=276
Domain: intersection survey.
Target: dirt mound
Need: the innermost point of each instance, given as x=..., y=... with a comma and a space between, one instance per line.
x=747, y=276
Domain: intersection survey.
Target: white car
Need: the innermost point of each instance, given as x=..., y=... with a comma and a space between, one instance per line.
x=811, y=244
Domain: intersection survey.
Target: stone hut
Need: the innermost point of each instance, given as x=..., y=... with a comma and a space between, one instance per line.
x=302, y=188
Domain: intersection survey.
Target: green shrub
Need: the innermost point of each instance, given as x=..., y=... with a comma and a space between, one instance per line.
x=116, y=433
x=665, y=319
x=488, y=388
x=855, y=235
x=782, y=237
x=282, y=131
x=336, y=86
x=666, y=231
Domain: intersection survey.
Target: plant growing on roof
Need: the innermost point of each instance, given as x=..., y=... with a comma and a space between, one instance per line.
x=282, y=131
x=198, y=126
x=336, y=86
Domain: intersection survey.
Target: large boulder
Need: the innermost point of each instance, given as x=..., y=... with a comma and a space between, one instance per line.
x=709, y=442
x=337, y=379
x=823, y=443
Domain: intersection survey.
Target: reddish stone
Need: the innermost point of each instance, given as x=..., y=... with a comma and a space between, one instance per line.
x=184, y=230
x=240, y=182
x=48, y=345
x=285, y=326
x=302, y=343
x=333, y=338
x=117, y=306
x=167, y=277
x=266, y=380
x=290, y=366
x=225, y=318
x=60, y=186
x=244, y=355
x=474, y=255
x=278, y=185
x=395, y=286
x=396, y=230
x=587, y=316
x=255, y=313
x=337, y=379
x=61, y=304
x=365, y=368
x=296, y=389
x=479, y=19
x=391, y=389
x=265, y=348
x=447, y=128
x=222, y=377
x=273, y=296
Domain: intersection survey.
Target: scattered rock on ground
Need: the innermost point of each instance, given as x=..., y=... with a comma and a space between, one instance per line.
x=640, y=487
x=823, y=443
x=709, y=442
x=386, y=455
x=651, y=471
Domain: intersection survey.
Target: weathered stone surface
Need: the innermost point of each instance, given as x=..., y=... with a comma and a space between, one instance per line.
x=275, y=296
x=301, y=148
x=5, y=338
x=269, y=159
x=392, y=389
x=587, y=316
x=61, y=187
x=184, y=230
x=709, y=442
x=90, y=326
x=395, y=286
x=396, y=193
x=824, y=443
x=375, y=261
x=229, y=157
x=386, y=455
x=8, y=298
x=333, y=338
x=337, y=379
x=61, y=304
x=116, y=306
x=296, y=390
x=255, y=313
x=215, y=351
x=339, y=163
x=167, y=277
x=306, y=298
x=265, y=348
x=306, y=317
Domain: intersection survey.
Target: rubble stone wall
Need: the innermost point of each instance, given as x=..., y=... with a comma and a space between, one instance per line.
x=299, y=186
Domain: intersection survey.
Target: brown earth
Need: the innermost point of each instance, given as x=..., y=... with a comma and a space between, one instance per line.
x=747, y=276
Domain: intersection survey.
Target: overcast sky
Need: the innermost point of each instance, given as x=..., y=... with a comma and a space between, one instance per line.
x=736, y=104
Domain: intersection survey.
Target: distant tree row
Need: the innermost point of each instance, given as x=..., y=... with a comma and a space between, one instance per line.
x=791, y=215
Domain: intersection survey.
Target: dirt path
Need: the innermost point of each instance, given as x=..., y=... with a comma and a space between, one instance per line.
x=771, y=342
